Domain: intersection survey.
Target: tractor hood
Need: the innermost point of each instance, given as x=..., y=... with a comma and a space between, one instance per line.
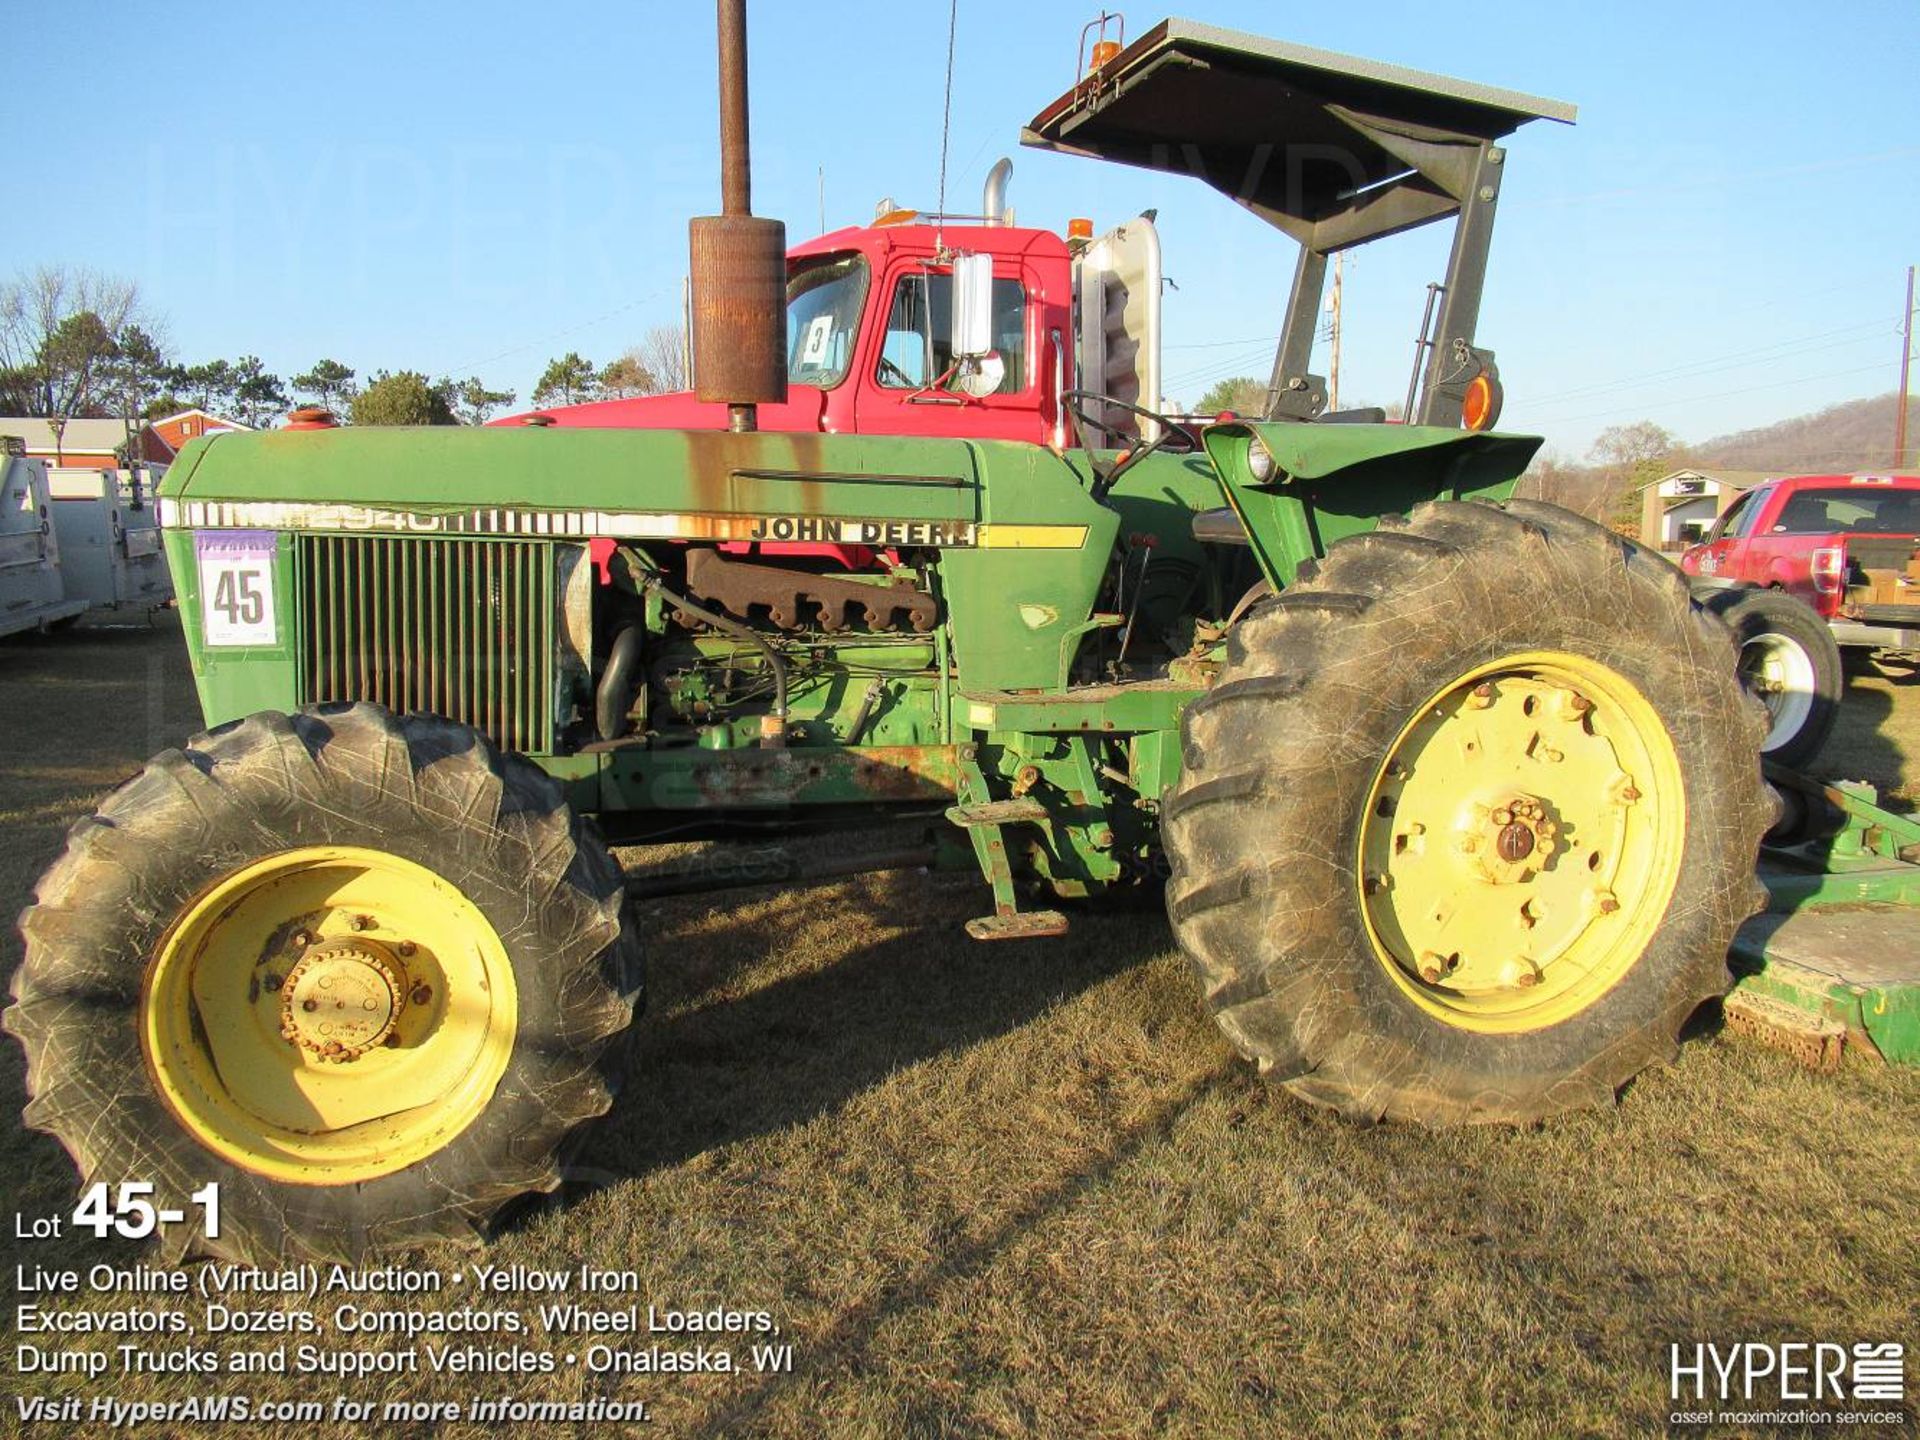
x=614, y=470
x=801, y=411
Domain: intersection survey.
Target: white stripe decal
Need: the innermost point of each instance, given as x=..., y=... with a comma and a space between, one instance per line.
x=876, y=531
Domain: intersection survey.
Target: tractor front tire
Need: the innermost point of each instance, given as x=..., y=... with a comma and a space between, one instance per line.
x=1468, y=819
x=356, y=968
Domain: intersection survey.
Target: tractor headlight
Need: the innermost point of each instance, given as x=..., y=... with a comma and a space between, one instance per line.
x=1259, y=461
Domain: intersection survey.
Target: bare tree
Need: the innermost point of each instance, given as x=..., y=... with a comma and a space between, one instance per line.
x=59, y=329
x=1584, y=489
x=1627, y=448
x=1631, y=457
x=663, y=354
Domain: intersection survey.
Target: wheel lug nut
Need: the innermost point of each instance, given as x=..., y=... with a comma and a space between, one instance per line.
x=420, y=994
x=1605, y=901
x=406, y=947
x=363, y=922
x=1579, y=704
x=1432, y=968
x=302, y=939
x=1480, y=696
x=309, y=1005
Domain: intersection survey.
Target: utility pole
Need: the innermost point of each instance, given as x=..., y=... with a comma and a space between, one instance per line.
x=1333, y=308
x=1906, y=359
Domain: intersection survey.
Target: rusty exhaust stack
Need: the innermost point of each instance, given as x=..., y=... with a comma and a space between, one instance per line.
x=739, y=262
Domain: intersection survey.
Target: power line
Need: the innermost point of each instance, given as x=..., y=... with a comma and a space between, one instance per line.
x=1715, y=182
x=563, y=334
x=1717, y=395
x=1221, y=344
x=1220, y=371
x=1711, y=364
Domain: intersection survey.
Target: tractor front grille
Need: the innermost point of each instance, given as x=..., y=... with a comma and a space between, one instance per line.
x=459, y=628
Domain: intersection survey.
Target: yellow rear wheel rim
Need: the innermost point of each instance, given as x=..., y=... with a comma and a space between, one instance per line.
x=329, y=1015
x=1522, y=839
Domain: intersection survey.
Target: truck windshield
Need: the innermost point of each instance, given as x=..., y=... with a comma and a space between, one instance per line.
x=824, y=297
x=1850, y=510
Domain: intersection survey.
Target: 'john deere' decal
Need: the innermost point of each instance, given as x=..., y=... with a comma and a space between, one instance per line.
x=831, y=531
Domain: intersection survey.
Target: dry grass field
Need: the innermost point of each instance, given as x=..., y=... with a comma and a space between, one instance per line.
x=1025, y=1190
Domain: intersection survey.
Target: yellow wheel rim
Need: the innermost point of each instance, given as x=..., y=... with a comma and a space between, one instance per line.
x=1521, y=842
x=329, y=1015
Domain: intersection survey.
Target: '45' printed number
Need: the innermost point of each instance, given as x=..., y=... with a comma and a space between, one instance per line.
x=236, y=596
x=241, y=598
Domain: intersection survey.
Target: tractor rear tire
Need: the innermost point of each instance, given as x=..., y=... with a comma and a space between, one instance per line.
x=1468, y=819
x=356, y=968
x=1790, y=663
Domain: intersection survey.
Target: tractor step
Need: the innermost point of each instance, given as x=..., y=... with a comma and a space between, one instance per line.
x=1026, y=925
x=996, y=812
x=1815, y=1041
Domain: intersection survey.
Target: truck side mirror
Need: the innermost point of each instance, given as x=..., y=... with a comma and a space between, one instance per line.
x=972, y=306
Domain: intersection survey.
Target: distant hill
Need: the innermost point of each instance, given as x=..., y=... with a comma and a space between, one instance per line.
x=1853, y=435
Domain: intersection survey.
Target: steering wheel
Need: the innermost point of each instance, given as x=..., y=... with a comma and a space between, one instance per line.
x=1104, y=479
x=887, y=367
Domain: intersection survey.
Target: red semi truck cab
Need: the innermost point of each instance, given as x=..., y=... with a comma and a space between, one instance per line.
x=868, y=334
x=1848, y=545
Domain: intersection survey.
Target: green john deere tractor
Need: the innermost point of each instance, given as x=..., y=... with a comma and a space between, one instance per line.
x=1460, y=795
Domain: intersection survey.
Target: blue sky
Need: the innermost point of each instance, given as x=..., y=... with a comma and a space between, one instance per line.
x=1720, y=242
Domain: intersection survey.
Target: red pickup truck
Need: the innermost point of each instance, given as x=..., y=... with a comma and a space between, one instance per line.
x=1848, y=545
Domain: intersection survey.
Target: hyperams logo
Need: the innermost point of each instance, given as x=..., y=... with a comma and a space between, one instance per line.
x=1789, y=1383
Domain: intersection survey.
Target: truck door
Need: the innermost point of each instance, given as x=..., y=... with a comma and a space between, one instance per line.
x=1726, y=542
x=901, y=389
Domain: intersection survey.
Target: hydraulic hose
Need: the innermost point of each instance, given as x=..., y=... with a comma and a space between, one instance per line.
x=615, y=692
x=857, y=729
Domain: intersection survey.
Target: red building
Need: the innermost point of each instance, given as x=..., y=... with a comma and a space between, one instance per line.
x=176, y=430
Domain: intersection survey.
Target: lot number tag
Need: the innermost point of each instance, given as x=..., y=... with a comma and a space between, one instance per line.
x=236, y=586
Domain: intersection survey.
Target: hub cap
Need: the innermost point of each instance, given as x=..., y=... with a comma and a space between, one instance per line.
x=329, y=1015
x=1521, y=842
x=1779, y=673
x=341, y=999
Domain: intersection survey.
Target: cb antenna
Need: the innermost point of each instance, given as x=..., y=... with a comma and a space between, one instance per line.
x=946, y=121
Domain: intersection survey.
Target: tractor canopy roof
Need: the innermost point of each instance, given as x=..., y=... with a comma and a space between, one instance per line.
x=1333, y=149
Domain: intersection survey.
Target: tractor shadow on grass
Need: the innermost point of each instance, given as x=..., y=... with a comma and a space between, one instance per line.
x=710, y=1066
x=724, y=1059
x=1871, y=739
